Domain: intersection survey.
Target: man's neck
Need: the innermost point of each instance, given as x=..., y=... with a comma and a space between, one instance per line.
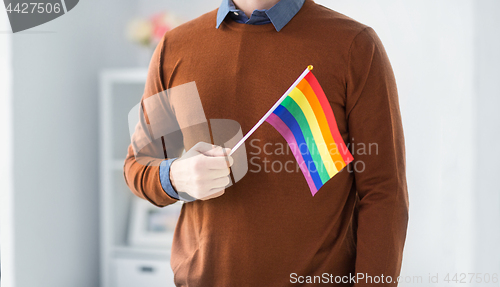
x=248, y=6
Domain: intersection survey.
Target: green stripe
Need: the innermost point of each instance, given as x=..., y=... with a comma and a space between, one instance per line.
x=299, y=116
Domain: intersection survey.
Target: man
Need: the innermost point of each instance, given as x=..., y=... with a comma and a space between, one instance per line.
x=267, y=229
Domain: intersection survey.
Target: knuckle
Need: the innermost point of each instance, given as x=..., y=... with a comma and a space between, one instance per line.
x=198, y=164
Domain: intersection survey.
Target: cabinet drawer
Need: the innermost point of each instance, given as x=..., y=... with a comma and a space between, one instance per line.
x=136, y=273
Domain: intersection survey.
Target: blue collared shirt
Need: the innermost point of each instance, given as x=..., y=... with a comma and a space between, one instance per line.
x=280, y=14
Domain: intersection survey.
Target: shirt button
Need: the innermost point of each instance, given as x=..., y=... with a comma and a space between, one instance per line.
x=236, y=13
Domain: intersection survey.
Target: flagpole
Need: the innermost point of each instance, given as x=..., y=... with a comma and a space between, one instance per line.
x=263, y=119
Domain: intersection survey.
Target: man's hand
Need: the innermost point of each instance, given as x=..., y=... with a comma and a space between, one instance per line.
x=202, y=172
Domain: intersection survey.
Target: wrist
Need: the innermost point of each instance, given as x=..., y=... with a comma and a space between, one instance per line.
x=172, y=181
x=182, y=195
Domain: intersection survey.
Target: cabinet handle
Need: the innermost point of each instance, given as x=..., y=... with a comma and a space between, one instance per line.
x=147, y=269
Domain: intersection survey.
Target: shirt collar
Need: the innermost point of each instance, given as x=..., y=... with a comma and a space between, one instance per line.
x=280, y=14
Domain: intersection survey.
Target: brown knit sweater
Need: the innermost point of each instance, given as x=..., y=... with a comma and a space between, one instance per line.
x=267, y=229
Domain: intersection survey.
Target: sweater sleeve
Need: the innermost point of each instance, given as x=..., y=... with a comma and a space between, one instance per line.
x=146, y=153
x=374, y=122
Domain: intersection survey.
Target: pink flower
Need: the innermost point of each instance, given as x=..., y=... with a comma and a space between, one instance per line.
x=159, y=24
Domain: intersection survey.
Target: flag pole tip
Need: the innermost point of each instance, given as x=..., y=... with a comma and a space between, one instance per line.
x=310, y=67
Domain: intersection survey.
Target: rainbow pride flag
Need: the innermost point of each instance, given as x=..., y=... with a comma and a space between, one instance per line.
x=305, y=119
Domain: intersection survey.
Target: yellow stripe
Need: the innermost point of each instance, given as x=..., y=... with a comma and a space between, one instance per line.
x=301, y=100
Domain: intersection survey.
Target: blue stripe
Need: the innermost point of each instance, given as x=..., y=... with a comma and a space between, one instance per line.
x=292, y=124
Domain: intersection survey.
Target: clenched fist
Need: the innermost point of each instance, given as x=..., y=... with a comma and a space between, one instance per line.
x=202, y=172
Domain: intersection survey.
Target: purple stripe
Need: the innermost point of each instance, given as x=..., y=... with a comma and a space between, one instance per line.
x=283, y=129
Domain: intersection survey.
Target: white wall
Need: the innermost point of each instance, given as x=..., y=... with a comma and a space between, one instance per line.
x=487, y=192
x=56, y=141
x=6, y=184
x=186, y=9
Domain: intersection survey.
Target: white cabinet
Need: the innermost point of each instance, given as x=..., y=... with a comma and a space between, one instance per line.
x=123, y=265
x=136, y=273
